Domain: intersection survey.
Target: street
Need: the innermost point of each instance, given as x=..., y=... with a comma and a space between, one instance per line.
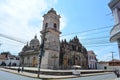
x=10, y=76
x=98, y=77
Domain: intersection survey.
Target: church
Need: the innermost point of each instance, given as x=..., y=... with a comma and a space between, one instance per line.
x=56, y=54
x=73, y=53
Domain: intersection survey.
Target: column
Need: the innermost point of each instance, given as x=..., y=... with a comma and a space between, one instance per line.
x=116, y=15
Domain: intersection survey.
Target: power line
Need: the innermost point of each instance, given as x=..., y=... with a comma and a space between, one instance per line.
x=109, y=14
x=98, y=45
x=94, y=33
x=5, y=36
x=96, y=38
x=87, y=30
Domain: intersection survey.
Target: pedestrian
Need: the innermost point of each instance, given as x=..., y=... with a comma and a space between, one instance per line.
x=22, y=69
x=117, y=73
x=18, y=69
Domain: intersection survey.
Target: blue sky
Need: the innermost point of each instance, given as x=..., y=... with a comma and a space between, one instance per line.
x=22, y=19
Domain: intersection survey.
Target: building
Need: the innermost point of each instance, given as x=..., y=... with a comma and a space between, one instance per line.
x=29, y=53
x=92, y=60
x=50, y=59
x=51, y=25
x=109, y=65
x=3, y=59
x=7, y=59
x=115, y=31
x=56, y=54
x=73, y=53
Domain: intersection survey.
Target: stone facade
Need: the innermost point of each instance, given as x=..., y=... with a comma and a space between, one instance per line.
x=56, y=54
x=29, y=53
x=52, y=43
x=73, y=53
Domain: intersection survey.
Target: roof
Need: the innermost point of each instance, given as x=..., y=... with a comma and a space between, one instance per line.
x=91, y=52
x=115, y=60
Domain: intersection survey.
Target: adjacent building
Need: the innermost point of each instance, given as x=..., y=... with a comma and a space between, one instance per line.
x=115, y=31
x=92, y=60
x=109, y=65
x=9, y=60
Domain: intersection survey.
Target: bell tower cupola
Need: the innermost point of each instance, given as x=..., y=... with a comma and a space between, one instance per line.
x=51, y=20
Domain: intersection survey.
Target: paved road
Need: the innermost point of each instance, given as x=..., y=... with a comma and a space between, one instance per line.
x=10, y=76
x=98, y=77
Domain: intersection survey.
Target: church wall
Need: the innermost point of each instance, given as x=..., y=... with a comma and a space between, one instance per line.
x=44, y=61
x=31, y=60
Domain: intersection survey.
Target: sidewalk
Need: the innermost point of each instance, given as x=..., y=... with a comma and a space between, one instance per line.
x=117, y=79
x=33, y=75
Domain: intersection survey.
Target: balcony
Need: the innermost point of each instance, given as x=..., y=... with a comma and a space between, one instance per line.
x=115, y=33
x=112, y=3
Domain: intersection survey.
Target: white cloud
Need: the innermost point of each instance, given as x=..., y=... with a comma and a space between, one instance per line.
x=22, y=19
x=63, y=22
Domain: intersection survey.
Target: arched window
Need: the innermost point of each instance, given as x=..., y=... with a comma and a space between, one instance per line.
x=55, y=26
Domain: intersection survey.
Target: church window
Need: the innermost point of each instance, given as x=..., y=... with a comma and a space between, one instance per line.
x=55, y=26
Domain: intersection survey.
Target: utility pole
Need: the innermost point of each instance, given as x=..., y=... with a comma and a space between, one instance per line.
x=41, y=53
x=112, y=55
x=113, y=58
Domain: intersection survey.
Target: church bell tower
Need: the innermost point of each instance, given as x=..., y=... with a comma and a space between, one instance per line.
x=51, y=28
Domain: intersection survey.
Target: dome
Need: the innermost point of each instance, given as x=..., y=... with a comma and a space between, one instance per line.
x=34, y=43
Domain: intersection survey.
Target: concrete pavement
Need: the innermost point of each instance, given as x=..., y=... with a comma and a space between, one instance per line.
x=42, y=76
x=33, y=75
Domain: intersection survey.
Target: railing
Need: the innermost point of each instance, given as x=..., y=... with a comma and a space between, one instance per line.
x=115, y=29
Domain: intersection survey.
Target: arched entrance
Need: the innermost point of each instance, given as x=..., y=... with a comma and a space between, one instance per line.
x=34, y=63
